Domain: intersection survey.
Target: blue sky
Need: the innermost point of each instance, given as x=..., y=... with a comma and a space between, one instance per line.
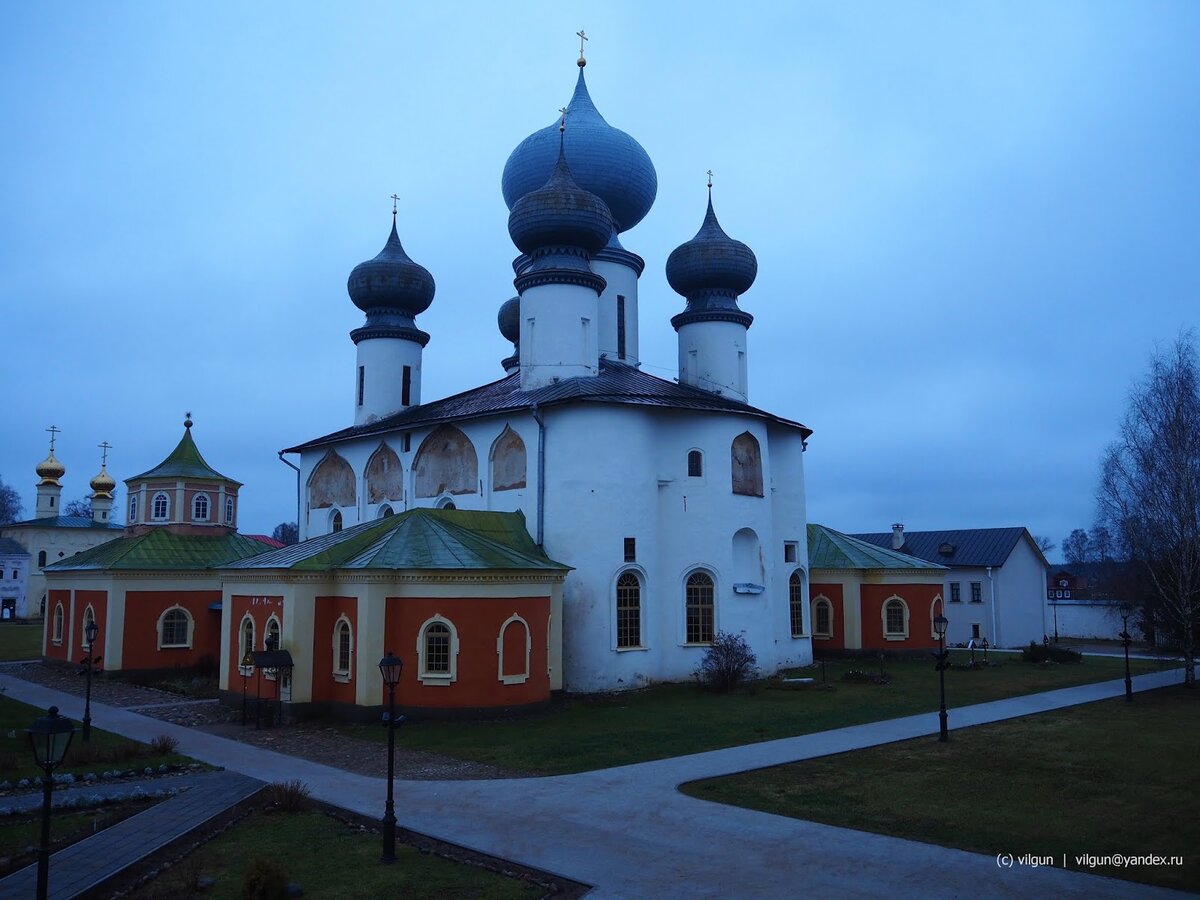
x=973, y=222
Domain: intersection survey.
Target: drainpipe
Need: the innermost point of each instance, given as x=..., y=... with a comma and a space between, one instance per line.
x=992, y=582
x=541, y=490
x=297, y=468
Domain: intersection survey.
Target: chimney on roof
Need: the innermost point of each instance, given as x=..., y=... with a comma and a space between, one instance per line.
x=897, y=536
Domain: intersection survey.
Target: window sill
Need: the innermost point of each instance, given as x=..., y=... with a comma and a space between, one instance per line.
x=341, y=677
x=895, y=637
x=57, y=643
x=696, y=644
x=514, y=679
x=174, y=646
x=822, y=637
x=639, y=647
x=436, y=679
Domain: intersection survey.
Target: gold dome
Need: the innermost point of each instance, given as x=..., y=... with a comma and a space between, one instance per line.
x=50, y=470
x=103, y=484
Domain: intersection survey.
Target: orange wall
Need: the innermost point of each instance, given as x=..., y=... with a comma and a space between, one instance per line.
x=140, y=641
x=260, y=609
x=919, y=598
x=58, y=651
x=478, y=622
x=837, y=622
x=327, y=688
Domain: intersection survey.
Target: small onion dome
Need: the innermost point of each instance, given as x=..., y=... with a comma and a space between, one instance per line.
x=604, y=160
x=711, y=262
x=391, y=281
x=50, y=469
x=509, y=320
x=560, y=213
x=102, y=485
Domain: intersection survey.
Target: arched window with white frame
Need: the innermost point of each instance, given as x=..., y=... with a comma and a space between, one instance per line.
x=629, y=610
x=175, y=628
x=822, y=617
x=513, y=646
x=695, y=464
x=935, y=609
x=200, y=506
x=796, y=596
x=437, y=651
x=160, y=508
x=895, y=618
x=133, y=508
x=247, y=634
x=343, y=649
x=228, y=510
x=271, y=641
x=335, y=521
x=699, y=598
x=57, y=633
x=89, y=616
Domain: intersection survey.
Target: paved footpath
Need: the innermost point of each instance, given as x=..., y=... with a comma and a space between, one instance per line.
x=632, y=834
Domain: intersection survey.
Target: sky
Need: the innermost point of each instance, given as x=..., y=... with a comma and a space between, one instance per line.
x=974, y=223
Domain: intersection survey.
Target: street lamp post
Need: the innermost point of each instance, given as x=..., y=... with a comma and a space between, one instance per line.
x=943, y=663
x=390, y=668
x=49, y=738
x=1126, y=639
x=90, y=631
x=245, y=667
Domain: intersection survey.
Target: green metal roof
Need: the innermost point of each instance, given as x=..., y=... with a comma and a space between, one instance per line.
x=161, y=549
x=184, y=461
x=417, y=539
x=829, y=549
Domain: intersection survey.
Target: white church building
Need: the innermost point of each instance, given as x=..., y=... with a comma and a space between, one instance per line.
x=678, y=506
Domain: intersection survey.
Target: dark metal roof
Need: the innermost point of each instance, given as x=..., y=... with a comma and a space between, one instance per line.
x=9, y=547
x=616, y=383
x=65, y=522
x=968, y=546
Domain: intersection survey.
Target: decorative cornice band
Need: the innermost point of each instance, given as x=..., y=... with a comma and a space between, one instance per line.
x=624, y=257
x=738, y=316
x=539, y=277
x=366, y=332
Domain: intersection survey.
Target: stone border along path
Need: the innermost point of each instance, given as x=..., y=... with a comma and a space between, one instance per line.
x=94, y=860
x=631, y=833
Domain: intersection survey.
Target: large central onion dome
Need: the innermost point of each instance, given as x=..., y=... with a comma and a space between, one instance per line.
x=391, y=281
x=559, y=213
x=712, y=263
x=604, y=160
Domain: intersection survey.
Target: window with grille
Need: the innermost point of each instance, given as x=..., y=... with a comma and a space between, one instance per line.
x=133, y=509
x=343, y=648
x=58, y=623
x=630, y=549
x=629, y=610
x=247, y=636
x=955, y=592
x=174, y=628
x=823, y=618
x=228, y=510
x=437, y=649
x=894, y=617
x=695, y=464
x=700, y=613
x=796, y=603
x=162, y=506
x=89, y=616
x=336, y=523
x=200, y=508
x=272, y=638
x=976, y=591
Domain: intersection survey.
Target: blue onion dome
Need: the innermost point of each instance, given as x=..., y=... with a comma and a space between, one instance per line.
x=711, y=263
x=560, y=214
x=604, y=160
x=509, y=320
x=391, y=281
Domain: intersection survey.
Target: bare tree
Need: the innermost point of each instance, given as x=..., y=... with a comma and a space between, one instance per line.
x=286, y=533
x=10, y=504
x=1150, y=492
x=1076, y=547
x=81, y=507
x=1100, y=544
x=1044, y=543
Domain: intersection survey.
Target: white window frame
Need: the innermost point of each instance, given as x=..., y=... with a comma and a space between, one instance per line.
x=166, y=499
x=894, y=635
x=56, y=628
x=228, y=510
x=636, y=572
x=688, y=467
x=956, y=592
x=343, y=675
x=336, y=518
x=273, y=617
x=207, y=507
x=797, y=602
x=700, y=570
x=524, y=676
x=443, y=679
x=820, y=600
x=133, y=508
x=934, y=604
x=190, y=629
x=89, y=612
x=242, y=645
x=976, y=588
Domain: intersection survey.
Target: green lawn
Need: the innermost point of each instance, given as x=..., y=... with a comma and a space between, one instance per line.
x=328, y=858
x=107, y=751
x=587, y=733
x=18, y=833
x=1104, y=778
x=20, y=641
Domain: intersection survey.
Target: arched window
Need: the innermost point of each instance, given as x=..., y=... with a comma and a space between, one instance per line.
x=437, y=651
x=41, y=559
x=822, y=618
x=175, y=628
x=935, y=609
x=335, y=521
x=58, y=624
x=133, y=508
x=895, y=619
x=343, y=649
x=796, y=602
x=89, y=616
x=446, y=503
x=629, y=610
x=271, y=638
x=700, y=611
x=200, y=508
x=512, y=647
x=746, y=460
x=161, y=508
x=247, y=637
x=695, y=463
x=385, y=511
x=228, y=510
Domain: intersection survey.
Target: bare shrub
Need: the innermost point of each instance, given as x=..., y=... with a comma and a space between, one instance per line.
x=289, y=796
x=728, y=662
x=163, y=745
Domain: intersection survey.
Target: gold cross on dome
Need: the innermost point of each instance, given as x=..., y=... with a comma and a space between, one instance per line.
x=562, y=123
x=105, y=446
x=54, y=432
x=582, y=37
x=710, y=179
x=395, y=200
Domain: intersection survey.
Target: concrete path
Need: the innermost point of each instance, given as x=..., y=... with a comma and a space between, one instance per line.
x=90, y=862
x=629, y=832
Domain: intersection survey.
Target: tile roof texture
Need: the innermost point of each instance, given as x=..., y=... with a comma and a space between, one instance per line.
x=829, y=549
x=159, y=549
x=65, y=522
x=416, y=539
x=616, y=383
x=978, y=547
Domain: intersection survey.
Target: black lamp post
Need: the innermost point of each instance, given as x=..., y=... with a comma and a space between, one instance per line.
x=245, y=667
x=1127, y=639
x=49, y=738
x=390, y=668
x=943, y=663
x=90, y=631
